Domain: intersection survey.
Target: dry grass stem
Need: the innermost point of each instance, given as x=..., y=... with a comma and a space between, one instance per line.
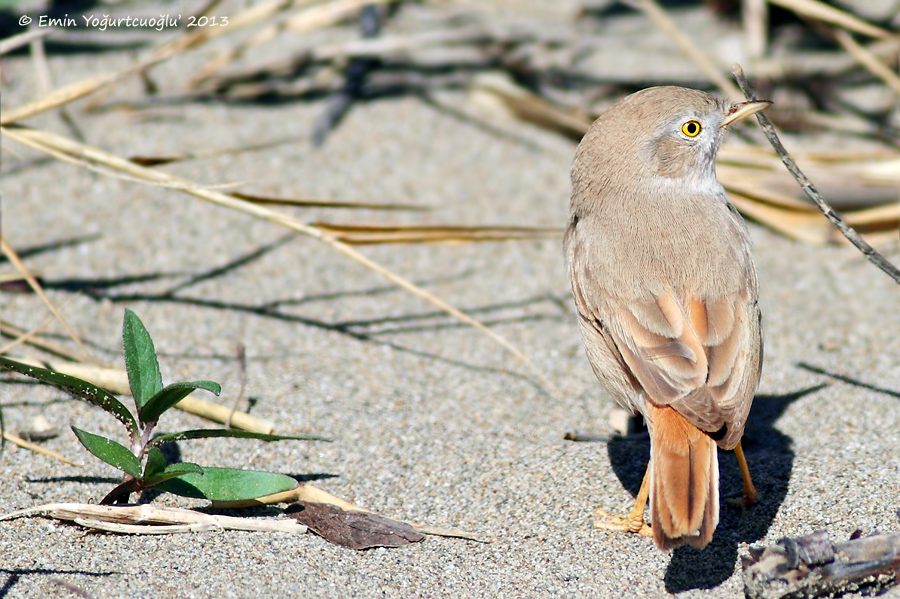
x=528, y=106
x=370, y=234
x=806, y=227
x=50, y=143
x=25, y=337
x=79, y=89
x=304, y=203
x=820, y=11
x=867, y=59
x=33, y=283
x=219, y=413
x=64, y=95
x=17, y=440
x=661, y=19
x=805, y=64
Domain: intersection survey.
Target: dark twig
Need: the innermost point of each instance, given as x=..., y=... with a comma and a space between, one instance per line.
x=810, y=190
x=357, y=72
x=813, y=566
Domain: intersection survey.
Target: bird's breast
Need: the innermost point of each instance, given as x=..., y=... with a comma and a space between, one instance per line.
x=693, y=246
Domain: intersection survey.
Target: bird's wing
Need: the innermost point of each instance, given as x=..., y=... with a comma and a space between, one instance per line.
x=691, y=354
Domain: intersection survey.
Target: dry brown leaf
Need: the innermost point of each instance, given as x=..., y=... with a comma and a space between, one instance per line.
x=356, y=530
x=312, y=494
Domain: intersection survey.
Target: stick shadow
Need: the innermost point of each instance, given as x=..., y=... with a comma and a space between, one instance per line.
x=15, y=576
x=770, y=458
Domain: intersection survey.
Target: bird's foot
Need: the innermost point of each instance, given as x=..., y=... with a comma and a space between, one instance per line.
x=630, y=523
x=745, y=501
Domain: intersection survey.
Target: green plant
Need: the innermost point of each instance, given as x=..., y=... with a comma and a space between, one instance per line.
x=142, y=461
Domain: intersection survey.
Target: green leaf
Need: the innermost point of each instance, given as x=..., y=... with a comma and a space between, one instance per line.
x=209, y=433
x=171, y=395
x=156, y=463
x=172, y=471
x=114, y=454
x=140, y=360
x=227, y=484
x=78, y=388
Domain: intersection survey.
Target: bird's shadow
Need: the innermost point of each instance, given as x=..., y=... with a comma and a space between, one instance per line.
x=770, y=458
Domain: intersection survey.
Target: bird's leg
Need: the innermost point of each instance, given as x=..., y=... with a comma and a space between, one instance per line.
x=634, y=521
x=750, y=494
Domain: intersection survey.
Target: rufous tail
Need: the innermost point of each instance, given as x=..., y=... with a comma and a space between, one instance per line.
x=684, y=481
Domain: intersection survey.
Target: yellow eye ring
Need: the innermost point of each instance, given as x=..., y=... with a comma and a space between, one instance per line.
x=692, y=128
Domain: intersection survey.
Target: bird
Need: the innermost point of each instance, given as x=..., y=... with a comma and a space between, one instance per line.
x=666, y=291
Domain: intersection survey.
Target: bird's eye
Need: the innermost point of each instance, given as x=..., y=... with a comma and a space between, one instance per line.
x=691, y=128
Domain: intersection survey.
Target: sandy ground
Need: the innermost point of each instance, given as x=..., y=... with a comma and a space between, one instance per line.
x=432, y=421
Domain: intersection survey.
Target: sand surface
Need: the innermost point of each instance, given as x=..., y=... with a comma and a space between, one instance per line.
x=432, y=421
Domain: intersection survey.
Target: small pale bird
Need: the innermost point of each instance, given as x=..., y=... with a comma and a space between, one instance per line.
x=666, y=291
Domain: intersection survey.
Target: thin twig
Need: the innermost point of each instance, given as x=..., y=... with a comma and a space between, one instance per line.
x=810, y=190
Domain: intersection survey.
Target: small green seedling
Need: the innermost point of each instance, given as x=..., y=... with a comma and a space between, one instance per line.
x=142, y=461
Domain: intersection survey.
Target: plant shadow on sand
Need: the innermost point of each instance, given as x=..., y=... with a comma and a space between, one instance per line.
x=770, y=457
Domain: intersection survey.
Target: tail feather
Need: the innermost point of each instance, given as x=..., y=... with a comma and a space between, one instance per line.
x=684, y=481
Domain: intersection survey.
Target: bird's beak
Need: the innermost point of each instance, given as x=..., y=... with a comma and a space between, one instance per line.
x=743, y=110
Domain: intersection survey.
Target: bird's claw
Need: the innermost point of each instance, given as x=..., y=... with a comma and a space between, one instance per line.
x=631, y=523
